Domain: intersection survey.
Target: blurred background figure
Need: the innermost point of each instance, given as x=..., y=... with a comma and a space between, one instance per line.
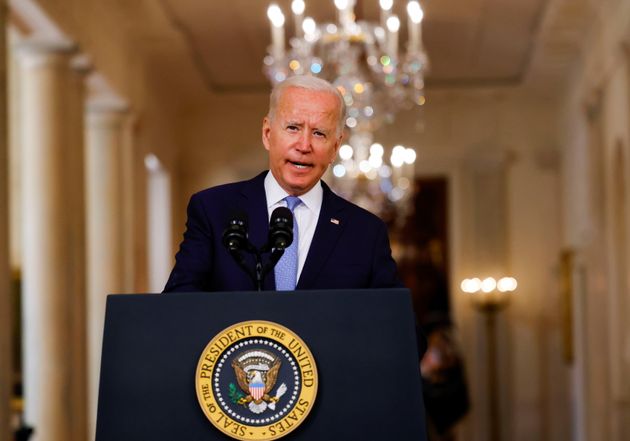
x=443, y=381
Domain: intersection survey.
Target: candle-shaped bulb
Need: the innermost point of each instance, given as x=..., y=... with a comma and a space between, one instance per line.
x=341, y=4
x=275, y=15
x=298, y=7
x=309, y=26
x=393, y=24
x=386, y=5
x=277, y=31
x=415, y=11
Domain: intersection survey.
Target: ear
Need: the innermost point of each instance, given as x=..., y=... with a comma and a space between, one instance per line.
x=336, y=148
x=266, y=132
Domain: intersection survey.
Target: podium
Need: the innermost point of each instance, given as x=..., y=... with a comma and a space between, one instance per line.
x=363, y=343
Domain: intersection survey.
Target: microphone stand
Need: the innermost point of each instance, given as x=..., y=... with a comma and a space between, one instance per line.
x=276, y=254
x=259, y=271
x=240, y=260
x=258, y=275
x=235, y=240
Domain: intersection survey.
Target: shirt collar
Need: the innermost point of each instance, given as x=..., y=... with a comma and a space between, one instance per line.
x=312, y=199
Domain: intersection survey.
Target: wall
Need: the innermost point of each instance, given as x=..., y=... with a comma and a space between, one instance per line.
x=595, y=193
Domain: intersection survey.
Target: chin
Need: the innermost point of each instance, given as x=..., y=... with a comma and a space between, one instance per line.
x=300, y=181
x=299, y=187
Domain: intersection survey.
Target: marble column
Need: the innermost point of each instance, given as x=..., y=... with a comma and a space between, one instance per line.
x=6, y=365
x=128, y=174
x=80, y=67
x=52, y=260
x=106, y=122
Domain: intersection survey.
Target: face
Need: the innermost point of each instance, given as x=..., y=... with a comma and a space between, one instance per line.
x=302, y=138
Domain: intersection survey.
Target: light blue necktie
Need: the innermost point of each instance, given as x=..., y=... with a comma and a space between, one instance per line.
x=286, y=268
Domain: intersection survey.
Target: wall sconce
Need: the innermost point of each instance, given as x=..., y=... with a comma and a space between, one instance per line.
x=490, y=296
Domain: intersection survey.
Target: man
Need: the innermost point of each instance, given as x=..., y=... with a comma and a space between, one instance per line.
x=338, y=244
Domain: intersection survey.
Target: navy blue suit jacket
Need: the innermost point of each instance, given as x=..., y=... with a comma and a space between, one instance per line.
x=350, y=247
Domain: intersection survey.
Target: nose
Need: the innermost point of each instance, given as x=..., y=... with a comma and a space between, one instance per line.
x=304, y=143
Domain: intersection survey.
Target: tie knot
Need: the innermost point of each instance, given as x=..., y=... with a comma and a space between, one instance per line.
x=292, y=202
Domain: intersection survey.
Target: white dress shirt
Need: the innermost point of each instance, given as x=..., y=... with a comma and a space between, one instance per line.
x=306, y=214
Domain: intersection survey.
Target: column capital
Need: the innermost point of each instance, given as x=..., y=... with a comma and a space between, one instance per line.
x=36, y=52
x=489, y=161
x=102, y=98
x=82, y=64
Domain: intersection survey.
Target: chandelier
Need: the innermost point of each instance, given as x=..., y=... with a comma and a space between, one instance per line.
x=362, y=59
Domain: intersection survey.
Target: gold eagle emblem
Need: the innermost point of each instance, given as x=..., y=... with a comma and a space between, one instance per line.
x=256, y=373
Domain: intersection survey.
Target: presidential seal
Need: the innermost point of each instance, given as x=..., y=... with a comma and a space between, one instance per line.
x=256, y=380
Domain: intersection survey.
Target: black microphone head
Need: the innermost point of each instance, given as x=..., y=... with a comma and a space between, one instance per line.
x=235, y=234
x=281, y=228
x=282, y=215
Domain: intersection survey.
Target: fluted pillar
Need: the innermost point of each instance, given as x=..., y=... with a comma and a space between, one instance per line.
x=52, y=237
x=6, y=367
x=106, y=123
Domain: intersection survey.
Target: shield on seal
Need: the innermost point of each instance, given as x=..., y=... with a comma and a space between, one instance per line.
x=257, y=389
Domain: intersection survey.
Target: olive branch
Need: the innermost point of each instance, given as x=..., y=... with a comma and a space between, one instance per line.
x=234, y=393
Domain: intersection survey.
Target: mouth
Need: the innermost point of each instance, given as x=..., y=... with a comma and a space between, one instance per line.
x=300, y=165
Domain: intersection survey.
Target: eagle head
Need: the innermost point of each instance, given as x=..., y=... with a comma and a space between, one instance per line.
x=256, y=378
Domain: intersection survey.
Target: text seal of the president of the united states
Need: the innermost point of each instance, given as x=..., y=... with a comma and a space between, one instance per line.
x=256, y=380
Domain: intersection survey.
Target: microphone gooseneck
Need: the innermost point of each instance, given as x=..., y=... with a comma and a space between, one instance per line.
x=236, y=241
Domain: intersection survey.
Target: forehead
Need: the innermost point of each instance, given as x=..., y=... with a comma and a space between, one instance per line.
x=308, y=105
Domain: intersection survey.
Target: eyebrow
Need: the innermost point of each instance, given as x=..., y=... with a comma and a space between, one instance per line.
x=301, y=124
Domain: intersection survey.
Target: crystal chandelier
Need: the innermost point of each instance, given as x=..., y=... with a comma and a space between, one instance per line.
x=363, y=61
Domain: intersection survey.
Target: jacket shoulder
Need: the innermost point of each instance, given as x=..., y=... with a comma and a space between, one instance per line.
x=231, y=190
x=219, y=190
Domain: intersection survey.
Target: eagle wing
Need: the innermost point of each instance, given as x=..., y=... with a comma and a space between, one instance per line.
x=272, y=376
x=241, y=377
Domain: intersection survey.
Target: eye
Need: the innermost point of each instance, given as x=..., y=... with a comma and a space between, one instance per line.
x=292, y=128
x=319, y=134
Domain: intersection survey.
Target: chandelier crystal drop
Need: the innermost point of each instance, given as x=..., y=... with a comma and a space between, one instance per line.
x=362, y=59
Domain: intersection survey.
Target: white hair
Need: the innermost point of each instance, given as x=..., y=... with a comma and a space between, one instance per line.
x=308, y=82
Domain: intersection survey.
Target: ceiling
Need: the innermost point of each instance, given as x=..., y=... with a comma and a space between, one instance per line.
x=469, y=42
x=216, y=46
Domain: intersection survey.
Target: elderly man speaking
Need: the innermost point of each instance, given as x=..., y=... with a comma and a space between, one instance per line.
x=336, y=244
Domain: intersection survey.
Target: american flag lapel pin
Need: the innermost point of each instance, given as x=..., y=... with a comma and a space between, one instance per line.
x=334, y=221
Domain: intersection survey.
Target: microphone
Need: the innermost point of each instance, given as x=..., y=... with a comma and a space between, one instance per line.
x=235, y=240
x=280, y=229
x=280, y=236
x=235, y=234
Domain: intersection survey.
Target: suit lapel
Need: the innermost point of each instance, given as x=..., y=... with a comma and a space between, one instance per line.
x=330, y=225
